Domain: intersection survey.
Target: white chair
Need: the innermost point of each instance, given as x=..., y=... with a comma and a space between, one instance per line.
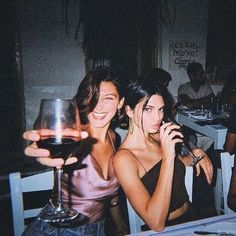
x=135, y=222
x=18, y=186
x=227, y=162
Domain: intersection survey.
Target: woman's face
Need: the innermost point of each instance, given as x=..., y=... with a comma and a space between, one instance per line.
x=106, y=107
x=151, y=115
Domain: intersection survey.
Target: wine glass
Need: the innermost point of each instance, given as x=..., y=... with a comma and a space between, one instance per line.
x=58, y=119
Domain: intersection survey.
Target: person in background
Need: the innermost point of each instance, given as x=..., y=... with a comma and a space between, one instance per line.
x=228, y=92
x=197, y=91
x=148, y=168
x=98, y=98
x=229, y=97
x=163, y=78
x=196, y=94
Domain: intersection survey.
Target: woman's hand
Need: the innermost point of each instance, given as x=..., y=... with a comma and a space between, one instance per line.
x=205, y=164
x=169, y=137
x=43, y=155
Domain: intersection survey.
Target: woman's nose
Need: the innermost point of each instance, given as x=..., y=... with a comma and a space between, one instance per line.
x=158, y=115
x=99, y=105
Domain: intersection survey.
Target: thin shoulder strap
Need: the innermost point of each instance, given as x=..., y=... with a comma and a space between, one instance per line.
x=135, y=157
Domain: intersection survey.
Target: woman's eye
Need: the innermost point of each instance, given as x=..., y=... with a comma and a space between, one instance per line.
x=147, y=109
x=109, y=98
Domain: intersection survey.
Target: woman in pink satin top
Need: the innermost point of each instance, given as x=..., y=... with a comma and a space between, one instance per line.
x=91, y=190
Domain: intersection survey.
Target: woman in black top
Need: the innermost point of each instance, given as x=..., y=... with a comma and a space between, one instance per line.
x=146, y=164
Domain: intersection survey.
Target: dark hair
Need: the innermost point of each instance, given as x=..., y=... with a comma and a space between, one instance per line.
x=140, y=88
x=193, y=67
x=159, y=75
x=88, y=92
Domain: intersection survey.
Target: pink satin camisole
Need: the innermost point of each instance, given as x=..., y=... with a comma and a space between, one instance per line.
x=89, y=193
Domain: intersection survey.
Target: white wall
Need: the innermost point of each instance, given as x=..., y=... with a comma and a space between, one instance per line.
x=184, y=40
x=53, y=61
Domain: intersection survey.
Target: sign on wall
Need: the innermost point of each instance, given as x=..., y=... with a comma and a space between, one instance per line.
x=182, y=52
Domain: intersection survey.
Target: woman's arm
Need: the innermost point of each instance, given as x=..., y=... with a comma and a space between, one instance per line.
x=205, y=163
x=152, y=209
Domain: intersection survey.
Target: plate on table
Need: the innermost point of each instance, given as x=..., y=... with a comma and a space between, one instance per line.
x=198, y=117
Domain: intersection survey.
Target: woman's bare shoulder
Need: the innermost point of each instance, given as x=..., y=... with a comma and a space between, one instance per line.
x=125, y=156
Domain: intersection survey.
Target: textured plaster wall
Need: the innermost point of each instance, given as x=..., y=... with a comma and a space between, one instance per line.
x=53, y=61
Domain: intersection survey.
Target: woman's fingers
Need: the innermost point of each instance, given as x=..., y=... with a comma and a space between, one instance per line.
x=207, y=167
x=56, y=162
x=43, y=155
x=71, y=160
x=84, y=134
x=34, y=135
x=31, y=135
x=34, y=151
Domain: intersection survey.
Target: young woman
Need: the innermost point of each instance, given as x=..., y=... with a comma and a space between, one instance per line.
x=94, y=188
x=146, y=164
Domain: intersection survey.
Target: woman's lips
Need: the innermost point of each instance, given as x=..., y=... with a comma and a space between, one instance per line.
x=157, y=126
x=98, y=116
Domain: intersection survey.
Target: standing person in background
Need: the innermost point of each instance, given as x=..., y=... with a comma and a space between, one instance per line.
x=95, y=187
x=147, y=166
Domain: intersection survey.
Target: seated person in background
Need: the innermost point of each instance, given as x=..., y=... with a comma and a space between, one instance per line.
x=228, y=92
x=195, y=94
x=148, y=168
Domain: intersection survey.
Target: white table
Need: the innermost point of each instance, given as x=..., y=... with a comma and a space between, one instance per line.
x=216, y=132
x=222, y=223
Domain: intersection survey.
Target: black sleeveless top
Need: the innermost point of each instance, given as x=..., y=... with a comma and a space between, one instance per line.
x=179, y=193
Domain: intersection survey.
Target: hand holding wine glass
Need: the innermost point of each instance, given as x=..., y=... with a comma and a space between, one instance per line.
x=43, y=155
x=58, y=127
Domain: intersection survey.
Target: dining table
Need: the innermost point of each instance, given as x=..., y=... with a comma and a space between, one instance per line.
x=224, y=225
x=213, y=126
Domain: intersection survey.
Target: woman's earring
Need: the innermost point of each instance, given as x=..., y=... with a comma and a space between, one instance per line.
x=119, y=113
x=131, y=126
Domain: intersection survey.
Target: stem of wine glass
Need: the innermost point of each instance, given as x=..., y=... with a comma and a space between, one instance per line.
x=188, y=150
x=59, y=173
